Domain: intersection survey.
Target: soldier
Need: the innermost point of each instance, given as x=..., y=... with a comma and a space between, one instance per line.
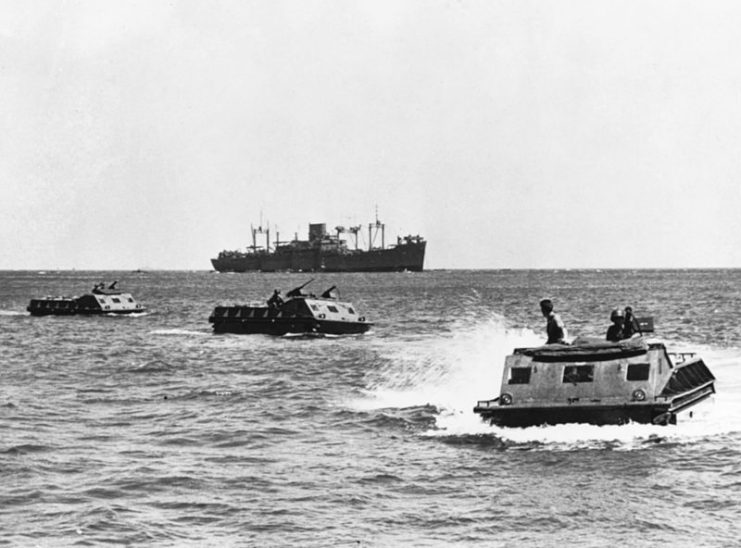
x=615, y=331
x=275, y=301
x=630, y=326
x=554, y=327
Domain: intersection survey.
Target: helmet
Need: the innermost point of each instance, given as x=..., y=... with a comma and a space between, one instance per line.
x=617, y=313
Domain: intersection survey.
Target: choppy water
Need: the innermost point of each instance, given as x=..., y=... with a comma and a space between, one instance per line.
x=149, y=430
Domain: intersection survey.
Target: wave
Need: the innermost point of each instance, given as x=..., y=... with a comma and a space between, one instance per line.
x=154, y=366
x=12, y=313
x=450, y=371
x=25, y=449
x=179, y=333
x=131, y=315
x=291, y=336
x=704, y=424
x=311, y=336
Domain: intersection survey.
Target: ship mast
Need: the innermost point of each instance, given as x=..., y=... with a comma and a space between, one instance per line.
x=254, y=242
x=371, y=236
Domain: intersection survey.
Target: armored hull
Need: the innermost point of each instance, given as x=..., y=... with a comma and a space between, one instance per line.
x=96, y=303
x=301, y=314
x=635, y=380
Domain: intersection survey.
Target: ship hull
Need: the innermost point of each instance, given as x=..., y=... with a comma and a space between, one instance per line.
x=597, y=414
x=87, y=305
x=283, y=326
x=646, y=413
x=83, y=312
x=403, y=257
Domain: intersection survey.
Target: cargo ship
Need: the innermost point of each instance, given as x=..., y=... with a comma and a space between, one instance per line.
x=325, y=252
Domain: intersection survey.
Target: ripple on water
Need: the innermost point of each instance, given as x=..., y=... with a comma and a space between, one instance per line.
x=26, y=449
x=153, y=431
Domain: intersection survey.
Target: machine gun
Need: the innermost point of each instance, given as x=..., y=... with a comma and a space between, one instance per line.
x=296, y=291
x=328, y=293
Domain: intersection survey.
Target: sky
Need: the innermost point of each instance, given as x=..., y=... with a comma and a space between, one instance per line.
x=510, y=134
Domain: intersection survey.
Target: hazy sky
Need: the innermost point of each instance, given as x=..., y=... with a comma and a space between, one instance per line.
x=511, y=134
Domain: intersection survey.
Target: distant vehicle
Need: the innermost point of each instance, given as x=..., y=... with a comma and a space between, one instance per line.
x=101, y=300
x=597, y=382
x=300, y=313
x=324, y=252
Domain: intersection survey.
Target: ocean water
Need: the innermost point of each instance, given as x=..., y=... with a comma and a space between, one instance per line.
x=151, y=431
